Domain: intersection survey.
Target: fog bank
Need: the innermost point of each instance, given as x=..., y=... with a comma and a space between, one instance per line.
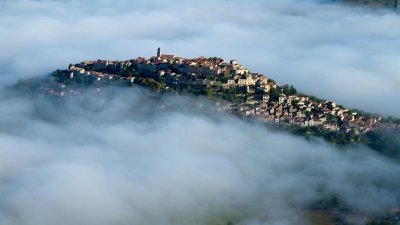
x=346, y=54
x=121, y=158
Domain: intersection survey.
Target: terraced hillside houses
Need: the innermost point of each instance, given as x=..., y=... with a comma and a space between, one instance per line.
x=233, y=87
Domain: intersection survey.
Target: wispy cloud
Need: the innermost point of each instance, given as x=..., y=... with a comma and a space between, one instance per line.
x=345, y=54
x=112, y=159
x=117, y=160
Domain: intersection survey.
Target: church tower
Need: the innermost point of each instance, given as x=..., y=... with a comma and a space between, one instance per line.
x=158, y=52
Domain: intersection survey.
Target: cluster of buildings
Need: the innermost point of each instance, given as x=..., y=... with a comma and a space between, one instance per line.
x=167, y=64
x=291, y=109
x=172, y=66
x=302, y=111
x=95, y=70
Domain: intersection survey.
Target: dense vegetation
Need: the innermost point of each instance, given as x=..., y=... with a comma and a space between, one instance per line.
x=387, y=143
x=373, y=3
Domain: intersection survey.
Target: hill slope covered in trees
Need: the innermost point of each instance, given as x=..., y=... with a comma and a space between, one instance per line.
x=373, y=3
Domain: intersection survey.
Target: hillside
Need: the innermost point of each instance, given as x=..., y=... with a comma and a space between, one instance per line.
x=233, y=89
x=393, y=4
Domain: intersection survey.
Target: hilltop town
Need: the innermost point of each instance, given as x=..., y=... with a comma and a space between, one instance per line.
x=233, y=87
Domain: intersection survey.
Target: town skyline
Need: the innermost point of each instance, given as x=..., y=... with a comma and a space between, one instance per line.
x=332, y=51
x=231, y=86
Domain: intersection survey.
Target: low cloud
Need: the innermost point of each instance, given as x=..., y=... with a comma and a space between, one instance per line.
x=345, y=54
x=120, y=158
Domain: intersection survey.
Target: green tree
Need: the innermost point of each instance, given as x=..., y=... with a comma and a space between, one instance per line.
x=286, y=89
x=331, y=118
x=271, y=81
x=308, y=114
x=315, y=99
x=274, y=94
x=292, y=90
x=289, y=90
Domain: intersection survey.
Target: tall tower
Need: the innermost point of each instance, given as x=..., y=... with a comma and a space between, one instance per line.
x=159, y=52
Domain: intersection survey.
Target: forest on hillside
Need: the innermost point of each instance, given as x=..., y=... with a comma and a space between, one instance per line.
x=374, y=3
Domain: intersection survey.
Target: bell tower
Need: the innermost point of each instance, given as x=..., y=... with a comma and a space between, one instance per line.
x=159, y=52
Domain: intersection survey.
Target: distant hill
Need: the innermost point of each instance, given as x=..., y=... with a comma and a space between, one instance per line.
x=393, y=4
x=233, y=89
